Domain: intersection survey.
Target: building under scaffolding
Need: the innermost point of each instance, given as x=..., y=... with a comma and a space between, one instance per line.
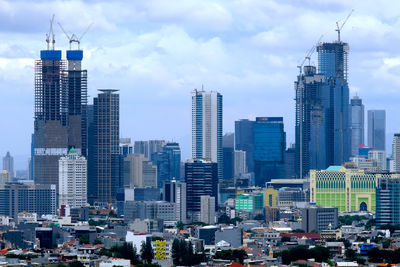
x=322, y=111
x=60, y=111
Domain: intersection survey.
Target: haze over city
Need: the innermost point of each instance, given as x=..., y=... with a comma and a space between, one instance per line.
x=157, y=52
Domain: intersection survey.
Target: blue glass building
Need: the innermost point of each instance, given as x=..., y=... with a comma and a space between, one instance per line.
x=244, y=140
x=377, y=129
x=269, y=149
x=388, y=201
x=168, y=163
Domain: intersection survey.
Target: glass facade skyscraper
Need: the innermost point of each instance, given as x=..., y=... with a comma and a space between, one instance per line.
x=357, y=124
x=269, y=149
x=244, y=140
x=388, y=201
x=168, y=163
x=377, y=129
x=323, y=135
x=207, y=127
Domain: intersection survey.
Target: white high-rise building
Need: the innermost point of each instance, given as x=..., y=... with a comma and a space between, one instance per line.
x=72, y=183
x=207, y=209
x=396, y=153
x=207, y=127
x=175, y=192
x=380, y=157
x=240, y=166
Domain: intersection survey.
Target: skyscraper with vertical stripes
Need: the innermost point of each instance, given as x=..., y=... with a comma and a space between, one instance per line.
x=207, y=127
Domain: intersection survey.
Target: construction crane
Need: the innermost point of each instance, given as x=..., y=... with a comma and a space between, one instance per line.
x=309, y=54
x=73, y=38
x=51, y=35
x=339, y=28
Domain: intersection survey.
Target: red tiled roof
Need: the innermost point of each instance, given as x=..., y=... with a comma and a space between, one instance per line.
x=235, y=264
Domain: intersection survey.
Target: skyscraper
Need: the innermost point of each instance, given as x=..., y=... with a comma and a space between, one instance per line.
x=155, y=146
x=228, y=152
x=207, y=209
x=175, y=192
x=142, y=147
x=207, y=127
x=357, y=124
x=244, y=140
x=269, y=149
x=388, y=201
x=125, y=146
x=201, y=179
x=60, y=111
x=396, y=152
x=139, y=172
x=107, y=178
x=168, y=162
x=8, y=164
x=377, y=129
x=240, y=166
x=72, y=180
x=322, y=110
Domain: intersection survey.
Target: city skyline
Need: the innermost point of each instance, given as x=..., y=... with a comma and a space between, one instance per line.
x=249, y=57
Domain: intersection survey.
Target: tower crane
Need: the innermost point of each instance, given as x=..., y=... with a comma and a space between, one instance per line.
x=51, y=35
x=309, y=54
x=73, y=38
x=339, y=28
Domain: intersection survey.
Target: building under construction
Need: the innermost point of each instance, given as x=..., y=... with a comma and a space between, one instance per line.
x=322, y=110
x=60, y=110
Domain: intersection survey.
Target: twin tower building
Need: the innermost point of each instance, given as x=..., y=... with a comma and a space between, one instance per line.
x=63, y=120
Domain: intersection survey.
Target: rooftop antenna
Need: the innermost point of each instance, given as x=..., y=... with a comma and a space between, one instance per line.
x=339, y=28
x=73, y=38
x=50, y=34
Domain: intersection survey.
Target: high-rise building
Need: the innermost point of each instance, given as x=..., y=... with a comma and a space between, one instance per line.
x=168, y=162
x=155, y=146
x=377, y=129
x=142, y=147
x=244, y=140
x=380, y=157
x=125, y=146
x=322, y=111
x=72, y=180
x=8, y=164
x=207, y=127
x=60, y=111
x=207, y=209
x=388, y=201
x=269, y=149
x=139, y=172
x=175, y=192
x=396, y=152
x=240, y=166
x=319, y=218
x=201, y=179
x=357, y=124
x=5, y=177
x=290, y=163
x=107, y=178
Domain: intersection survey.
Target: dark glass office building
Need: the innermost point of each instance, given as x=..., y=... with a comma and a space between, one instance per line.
x=377, y=129
x=201, y=180
x=388, y=201
x=107, y=178
x=244, y=140
x=269, y=149
x=168, y=163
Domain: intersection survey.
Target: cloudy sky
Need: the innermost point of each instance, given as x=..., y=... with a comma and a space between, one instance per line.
x=156, y=52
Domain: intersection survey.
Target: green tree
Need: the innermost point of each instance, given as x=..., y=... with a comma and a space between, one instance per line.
x=76, y=264
x=234, y=255
x=146, y=252
x=350, y=254
x=176, y=252
x=84, y=239
x=180, y=225
x=259, y=217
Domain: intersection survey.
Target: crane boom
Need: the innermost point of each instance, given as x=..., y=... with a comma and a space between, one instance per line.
x=339, y=28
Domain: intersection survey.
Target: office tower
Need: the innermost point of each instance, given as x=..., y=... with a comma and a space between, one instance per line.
x=5, y=177
x=228, y=140
x=240, y=165
x=244, y=140
x=249, y=202
x=356, y=124
x=207, y=127
x=201, y=179
x=60, y=111
x=388, y=201
x=125, y=146
x=396, y=153
x=72, y=180
x=175, y=192
x=317, y=219
x=380, y=157
x=269, y=149
x=8, y=164
x=16, y=198
x=228, y=163
x=322, y=111
x=290, y=163
x=207, y=209
x=91, y=159
x=377, y=129
x=107, y=178
x=142, y=147
x=139, y=172
x=347, y=189
x=155, y=146
x=168, y=162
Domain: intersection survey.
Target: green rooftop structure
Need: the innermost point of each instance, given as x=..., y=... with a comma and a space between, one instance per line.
x=348, y=189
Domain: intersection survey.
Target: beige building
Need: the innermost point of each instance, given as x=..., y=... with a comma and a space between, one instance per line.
x=139, y=171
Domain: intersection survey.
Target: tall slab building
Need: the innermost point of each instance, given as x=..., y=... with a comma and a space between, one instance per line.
x=60, y=111
x=357, y=124
x=377, y=129
x=207, y=127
